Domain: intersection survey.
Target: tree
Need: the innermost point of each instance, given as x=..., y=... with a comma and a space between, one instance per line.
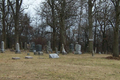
x=16, y=10
x=90, y=6
x=116, y=4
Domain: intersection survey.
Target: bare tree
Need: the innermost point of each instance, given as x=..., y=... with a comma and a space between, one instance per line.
x=90, y=6
x=16, y=10
x=116, y=4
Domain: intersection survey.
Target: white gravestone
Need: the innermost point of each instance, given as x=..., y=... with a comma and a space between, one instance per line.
x=63, y=49
x=17, y=48
x=78, y=49
x=53, y=56
x=2, y=47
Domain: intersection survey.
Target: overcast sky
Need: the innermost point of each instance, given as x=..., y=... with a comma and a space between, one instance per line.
x=32, y=4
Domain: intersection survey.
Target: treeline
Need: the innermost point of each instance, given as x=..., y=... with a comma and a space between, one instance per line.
x=92, y=23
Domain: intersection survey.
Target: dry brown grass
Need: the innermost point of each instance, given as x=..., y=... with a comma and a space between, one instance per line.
x=67, y=67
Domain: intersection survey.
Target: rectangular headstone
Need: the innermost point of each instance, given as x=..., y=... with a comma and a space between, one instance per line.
x=53, y=56
x=38, y=47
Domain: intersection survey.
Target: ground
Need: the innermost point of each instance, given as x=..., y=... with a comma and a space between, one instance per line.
x=67, y=67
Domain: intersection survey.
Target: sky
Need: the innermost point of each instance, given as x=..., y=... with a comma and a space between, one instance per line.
x=31, y=5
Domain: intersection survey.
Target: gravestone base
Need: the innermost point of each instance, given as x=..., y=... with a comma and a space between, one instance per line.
x=40, y=53
x=28, y=57
x=78, y=52
x=15, y=58
x=2, y=51
x=53, y=56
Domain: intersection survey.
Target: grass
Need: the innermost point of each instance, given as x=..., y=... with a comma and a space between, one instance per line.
x=67, y=67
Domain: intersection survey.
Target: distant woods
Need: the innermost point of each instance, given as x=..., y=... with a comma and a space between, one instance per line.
x=92, y=23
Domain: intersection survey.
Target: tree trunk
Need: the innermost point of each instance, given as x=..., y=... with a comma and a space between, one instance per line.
x=116, y=32
x=3, y=23
x=90, y=5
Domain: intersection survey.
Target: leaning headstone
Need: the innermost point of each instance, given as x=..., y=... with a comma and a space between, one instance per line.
x=78, y=49
x=38, y=47
x=28, y=57
x=63, y=50
x=17, y=48
x=53, y=56
x=2, y=47
x=15, y=58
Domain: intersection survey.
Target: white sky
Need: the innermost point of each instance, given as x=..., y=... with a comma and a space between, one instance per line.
x=32, y=4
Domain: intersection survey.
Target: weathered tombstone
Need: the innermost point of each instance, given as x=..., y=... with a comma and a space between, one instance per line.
x=38, y=47
x=78, y=48
x=17, y=48
x=28, y=57
x=63, y=50
x=49, y=49
x=2, y=47
x=53, y=56
x=32, y=46
x=15, y=58
x=72, y=47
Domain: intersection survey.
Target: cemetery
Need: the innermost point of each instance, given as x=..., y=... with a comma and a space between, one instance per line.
x=59, y=39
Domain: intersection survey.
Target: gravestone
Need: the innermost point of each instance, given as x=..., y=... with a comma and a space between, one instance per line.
x=2, y=47
x=32, y=46
x=78, y=48
x=17, y=48
x=49, y=49
x=38, y=47
x=72, y=47
x=15, y=58
x=28, y=57
x=63, y=50
x=53, y=56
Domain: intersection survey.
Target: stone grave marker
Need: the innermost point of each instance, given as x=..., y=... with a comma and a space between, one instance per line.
x=2, y=47
x=38, y=47
x=53, y=56
x=49, y=49
x=15, y=58
x=28, y=57
x=17, y=48
x=78, y=49
x=63, y=50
